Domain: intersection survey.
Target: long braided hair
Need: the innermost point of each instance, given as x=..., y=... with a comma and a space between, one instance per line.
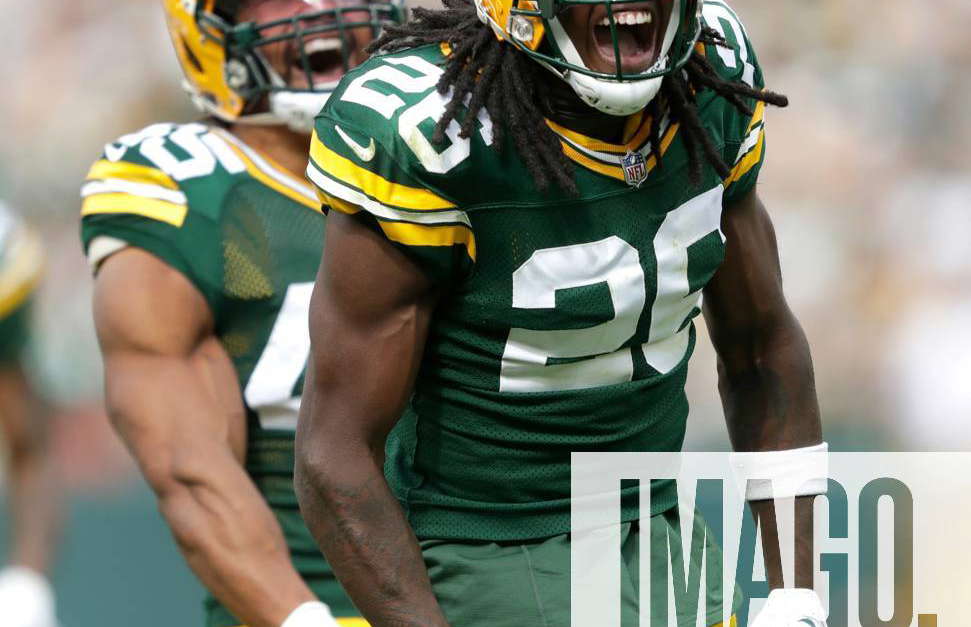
x=486, y=72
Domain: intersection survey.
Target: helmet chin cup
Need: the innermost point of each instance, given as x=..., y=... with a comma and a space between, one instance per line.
x=297, y=109
x=614, y=97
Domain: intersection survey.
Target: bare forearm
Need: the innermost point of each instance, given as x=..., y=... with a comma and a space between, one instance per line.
x=803, y=556
x=232, y=542
x=362, y=530
x=769, y=392
x=771, y=405
x=35, y=504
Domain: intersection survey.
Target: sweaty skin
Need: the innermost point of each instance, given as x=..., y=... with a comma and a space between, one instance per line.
x=156, y=333
x=369, y=322
x=765, y=370
x=173, y=397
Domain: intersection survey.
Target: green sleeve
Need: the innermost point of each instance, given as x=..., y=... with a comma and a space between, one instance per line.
x=361, y=165
x=129, y=201
x=744, y=135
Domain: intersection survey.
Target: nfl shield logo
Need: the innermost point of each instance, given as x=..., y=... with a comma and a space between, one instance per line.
x=635, y=168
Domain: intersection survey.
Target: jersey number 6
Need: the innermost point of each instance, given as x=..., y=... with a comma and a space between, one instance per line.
x=598, y=354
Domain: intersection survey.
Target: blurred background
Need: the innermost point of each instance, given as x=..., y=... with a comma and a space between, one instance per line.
x=868, y=179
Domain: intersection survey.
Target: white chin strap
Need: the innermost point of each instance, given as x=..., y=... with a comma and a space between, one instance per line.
x=298, y=109
x=613, y=97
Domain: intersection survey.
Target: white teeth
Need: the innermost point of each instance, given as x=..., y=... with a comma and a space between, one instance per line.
x=629, y=18
x=322, y=45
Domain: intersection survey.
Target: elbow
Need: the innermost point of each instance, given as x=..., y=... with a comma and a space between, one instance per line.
x=310, y=474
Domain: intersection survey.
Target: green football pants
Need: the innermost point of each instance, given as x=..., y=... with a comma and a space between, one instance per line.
x=527, y=584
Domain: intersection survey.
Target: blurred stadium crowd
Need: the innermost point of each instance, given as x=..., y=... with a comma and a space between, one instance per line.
x=868, y=180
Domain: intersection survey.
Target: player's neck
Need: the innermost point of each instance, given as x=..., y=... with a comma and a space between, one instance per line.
x=288, y=148
x=563, y=106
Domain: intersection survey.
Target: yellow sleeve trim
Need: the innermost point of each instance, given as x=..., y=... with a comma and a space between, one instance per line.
x=338, y=203
x=105, y=169
x=411, y=234
x=377, y=187
x=159, y=210
x=422, y=235
x=748, y=162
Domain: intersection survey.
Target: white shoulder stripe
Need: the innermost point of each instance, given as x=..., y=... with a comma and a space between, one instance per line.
x=355, y=197
x=145, y=190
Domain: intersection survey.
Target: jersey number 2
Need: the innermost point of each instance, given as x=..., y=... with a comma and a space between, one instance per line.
x=594, y=355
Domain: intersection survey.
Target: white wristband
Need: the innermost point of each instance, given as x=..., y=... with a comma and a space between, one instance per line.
x=310, y=614
x=782, y=474
x=26, y=597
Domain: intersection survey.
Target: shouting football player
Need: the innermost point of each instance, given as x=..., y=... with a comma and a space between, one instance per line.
x=205, y=239
x=26, y=596
x=528, y=200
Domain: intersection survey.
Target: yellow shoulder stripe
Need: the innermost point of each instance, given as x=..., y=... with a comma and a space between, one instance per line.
x=757, y=116
x=382, y=190
x=748, y=162
x=161, y=210
x=411, y=234
x=105, y=169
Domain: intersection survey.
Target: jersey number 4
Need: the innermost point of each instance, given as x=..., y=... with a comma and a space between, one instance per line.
x=596, y=356
x=272, y=387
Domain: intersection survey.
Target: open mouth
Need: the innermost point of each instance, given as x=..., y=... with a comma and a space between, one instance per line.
x=325, y=57
x=638, y=27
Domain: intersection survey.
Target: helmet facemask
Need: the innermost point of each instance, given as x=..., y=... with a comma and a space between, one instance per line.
x=618, y=91
x=313, y=46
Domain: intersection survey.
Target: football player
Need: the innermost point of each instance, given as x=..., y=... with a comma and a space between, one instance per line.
x=205, y=239
x=528, y=200
x=26, y=597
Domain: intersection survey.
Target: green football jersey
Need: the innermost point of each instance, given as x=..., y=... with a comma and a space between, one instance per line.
x=565, y=322
x=249, y=236
x=21, y=265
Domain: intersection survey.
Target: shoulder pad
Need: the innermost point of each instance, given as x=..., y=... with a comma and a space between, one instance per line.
x=156, y=166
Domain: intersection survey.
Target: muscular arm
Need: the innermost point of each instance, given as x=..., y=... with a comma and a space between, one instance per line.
x=368, y=322
x=764, y=367
x=33, y=480
x=174, y=398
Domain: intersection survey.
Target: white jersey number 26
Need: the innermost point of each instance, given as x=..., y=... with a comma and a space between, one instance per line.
x=603, y=361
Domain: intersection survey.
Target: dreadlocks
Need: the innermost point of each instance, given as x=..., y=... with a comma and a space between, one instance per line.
x=482, y=71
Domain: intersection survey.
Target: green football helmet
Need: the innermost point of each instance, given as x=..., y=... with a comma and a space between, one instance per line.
x=534, y=27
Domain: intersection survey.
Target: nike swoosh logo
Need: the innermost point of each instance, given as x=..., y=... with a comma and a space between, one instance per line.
x=812, y=622
x=363, y=153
